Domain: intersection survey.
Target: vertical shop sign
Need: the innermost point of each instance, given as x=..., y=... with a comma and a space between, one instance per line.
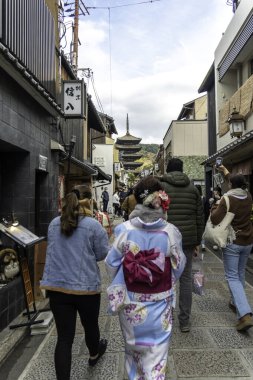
x=1, y=19
x=74, y=99
x=60, y=191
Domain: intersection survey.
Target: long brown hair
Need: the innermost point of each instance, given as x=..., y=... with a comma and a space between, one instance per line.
x=70, y=213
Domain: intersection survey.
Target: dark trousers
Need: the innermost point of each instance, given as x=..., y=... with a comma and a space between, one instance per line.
x=65, y=308
x=185, y=288
x=116, y=209
x=105, y=205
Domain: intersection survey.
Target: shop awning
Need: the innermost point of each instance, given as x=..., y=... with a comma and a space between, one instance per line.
x=102, y=176
x=238, y=150
x=84, y=168
x=85, y=165
x=94, y=120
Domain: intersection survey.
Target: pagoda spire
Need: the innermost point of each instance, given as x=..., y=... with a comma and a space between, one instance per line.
x=127, y=125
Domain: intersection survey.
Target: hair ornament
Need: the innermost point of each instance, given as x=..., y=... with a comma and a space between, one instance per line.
x=144, y=194
x=156, y=200
x=165, y=200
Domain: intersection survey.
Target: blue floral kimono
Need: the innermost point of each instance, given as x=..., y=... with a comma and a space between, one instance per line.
x=145, y=316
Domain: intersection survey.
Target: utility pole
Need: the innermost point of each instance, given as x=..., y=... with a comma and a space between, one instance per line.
x=75, y=49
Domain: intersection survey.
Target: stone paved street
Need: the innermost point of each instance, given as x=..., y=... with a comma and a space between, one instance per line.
x=212, y=350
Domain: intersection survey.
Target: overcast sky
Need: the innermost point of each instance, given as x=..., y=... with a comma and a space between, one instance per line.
x=150, y=59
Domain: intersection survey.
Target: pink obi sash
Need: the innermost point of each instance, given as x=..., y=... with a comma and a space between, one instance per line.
x=149, y=271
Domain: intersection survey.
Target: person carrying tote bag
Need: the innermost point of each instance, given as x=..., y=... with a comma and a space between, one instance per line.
x=236, y=253
x=222, y=233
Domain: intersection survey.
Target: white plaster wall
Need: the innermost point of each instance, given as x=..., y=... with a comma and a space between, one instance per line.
x=189, y=138
x=225, y=90
x=106, y=151
x=234, y=26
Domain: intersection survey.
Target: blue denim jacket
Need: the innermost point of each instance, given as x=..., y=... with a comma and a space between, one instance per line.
x=71, y=262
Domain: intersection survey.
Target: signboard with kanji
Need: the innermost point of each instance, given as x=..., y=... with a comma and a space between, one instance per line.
x=74, y=98
x=117, y=166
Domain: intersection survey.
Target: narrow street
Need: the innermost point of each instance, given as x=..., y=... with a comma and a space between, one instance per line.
x=212, y=350
x=96, y=96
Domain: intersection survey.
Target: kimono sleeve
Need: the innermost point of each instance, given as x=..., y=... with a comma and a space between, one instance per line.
x=115, y=255
x=178, y=259
x=101, y=243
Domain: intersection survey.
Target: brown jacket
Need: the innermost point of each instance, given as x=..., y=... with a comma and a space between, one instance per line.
x=129, y=204
x=241, y=222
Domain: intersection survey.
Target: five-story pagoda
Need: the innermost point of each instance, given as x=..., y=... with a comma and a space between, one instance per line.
x=128, y=147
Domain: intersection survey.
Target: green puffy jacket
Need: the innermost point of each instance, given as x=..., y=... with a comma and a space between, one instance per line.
x=186, y=207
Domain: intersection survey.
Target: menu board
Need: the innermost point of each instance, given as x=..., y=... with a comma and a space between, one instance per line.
x=20, y=234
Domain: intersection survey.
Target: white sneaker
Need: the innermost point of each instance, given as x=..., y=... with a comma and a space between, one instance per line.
x=203, y=247
x=215, y=247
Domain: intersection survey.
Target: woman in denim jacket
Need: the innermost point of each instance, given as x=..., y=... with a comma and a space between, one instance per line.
x=76, y=242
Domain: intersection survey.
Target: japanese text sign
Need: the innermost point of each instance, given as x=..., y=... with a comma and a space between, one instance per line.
x=74, y=98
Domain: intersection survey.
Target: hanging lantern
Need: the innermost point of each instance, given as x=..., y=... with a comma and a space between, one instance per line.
x=236, y=124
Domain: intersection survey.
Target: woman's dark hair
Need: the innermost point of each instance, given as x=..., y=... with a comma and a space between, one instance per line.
x=218, y=189
x=70, y=212
x=77, y=192
x=147, y=185
x=238, y=181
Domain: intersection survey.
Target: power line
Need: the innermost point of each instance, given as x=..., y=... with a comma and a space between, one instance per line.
x=96, y=94
x=110, y=56
x=125, y=5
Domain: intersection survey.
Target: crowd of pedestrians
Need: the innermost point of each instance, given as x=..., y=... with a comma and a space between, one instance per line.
x=163, y=220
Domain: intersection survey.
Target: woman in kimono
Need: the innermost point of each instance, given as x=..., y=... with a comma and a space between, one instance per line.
x=144, y=262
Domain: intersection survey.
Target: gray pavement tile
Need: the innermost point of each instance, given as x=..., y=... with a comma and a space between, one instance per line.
x=197, y=338
x=103, y=321
x=109, y=367
x=221, y=286
x=208, y=304
x=211, y=319
x=49, y=347
x=209, y=293
x=211, y=258
x=41, y=369
x=218, y=270
x=248, y=355
x=215, y=277
x=104, y=305
x=208, y=363
x=115, y=342
x=230, y=338
x=114, y=324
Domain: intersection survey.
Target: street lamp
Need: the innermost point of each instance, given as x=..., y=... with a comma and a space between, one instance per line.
x=236, y=124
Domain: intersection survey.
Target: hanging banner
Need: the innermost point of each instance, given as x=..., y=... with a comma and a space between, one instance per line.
x=1, y=18
x=117, y=166
x=74, y=98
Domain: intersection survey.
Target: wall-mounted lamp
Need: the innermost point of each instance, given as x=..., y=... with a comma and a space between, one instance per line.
x=236, y=124
x=69, y=148
x=10, y=222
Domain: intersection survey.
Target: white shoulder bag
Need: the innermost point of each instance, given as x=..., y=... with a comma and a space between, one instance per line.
x=222, y=233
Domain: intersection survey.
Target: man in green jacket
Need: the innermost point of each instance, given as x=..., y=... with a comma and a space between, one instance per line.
x=186, y=213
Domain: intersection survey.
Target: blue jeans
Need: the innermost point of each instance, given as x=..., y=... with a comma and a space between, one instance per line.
x=235, y=259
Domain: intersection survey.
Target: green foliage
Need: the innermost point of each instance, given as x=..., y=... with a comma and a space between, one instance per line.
x=149, y=148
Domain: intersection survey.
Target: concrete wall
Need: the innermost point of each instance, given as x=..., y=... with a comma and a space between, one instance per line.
x=25, y=133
